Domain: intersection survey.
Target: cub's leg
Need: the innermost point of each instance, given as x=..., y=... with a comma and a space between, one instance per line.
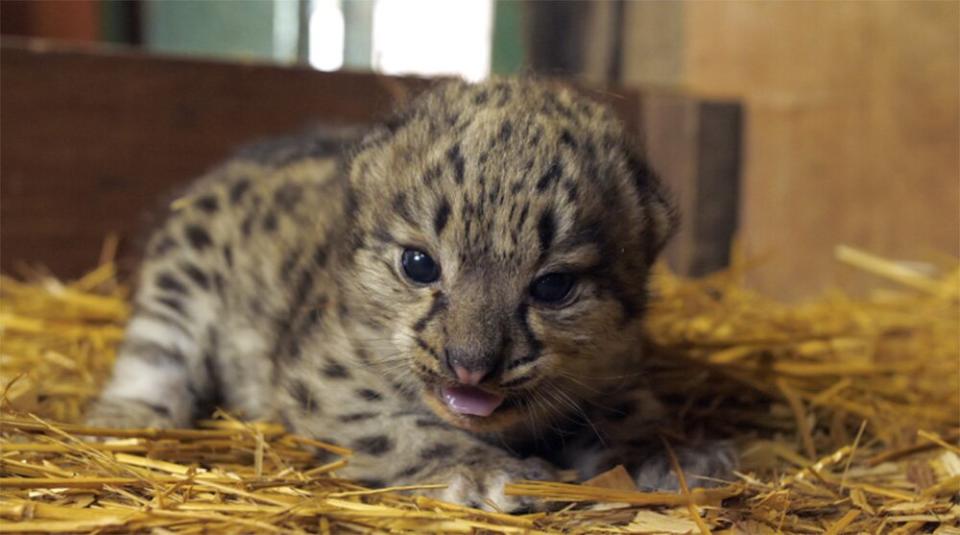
x=413, y=447
x=165, y=365
x=627, y=434
x=428, y=451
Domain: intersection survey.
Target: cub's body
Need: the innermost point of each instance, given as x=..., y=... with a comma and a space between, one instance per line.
x=458, y=297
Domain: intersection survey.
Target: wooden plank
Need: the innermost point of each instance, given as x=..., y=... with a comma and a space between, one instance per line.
x=695, y=146
x=92, y=139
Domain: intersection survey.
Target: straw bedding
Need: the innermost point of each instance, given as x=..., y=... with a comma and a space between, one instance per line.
x=847, y=413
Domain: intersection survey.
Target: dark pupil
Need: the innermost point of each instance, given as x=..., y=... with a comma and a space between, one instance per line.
x=419, y=266
x=552, y=288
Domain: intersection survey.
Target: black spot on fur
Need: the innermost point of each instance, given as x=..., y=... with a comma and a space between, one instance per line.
x=431, y=175
x=494, y=195
x=571, y=188
x=427, y=422
x=550, y=177
x=409, y=471
x=228, y=255
x=357, y=416
x=456, y=159
x=170, y=283
x=439, y=304
x=441, y=217
x=154, y=352
x=303, y=396
x=287, y=196
x=523, y=214
x=159, y=409
x=218, y=283
x=382, y=235
x=270, y=222
x=304, y=285
x=320, y=256
x=368, y=394
x=173, y=304
x=566, y=138
x=313, y=318
x=426, y=347
x=211, y=364
x=162, y=317
x=399, y=388
x=546, y=228
x=197, y=237
x=506, y=130
x=643, y=175
x=335, y=370
x=373, y=445
x=400, y=205
x=437, y=451
x=480, y=98
x=289, y=262
x=208, y=204
x=238, y=190
x=247, y=226
x=196, y=275
x=536, y=347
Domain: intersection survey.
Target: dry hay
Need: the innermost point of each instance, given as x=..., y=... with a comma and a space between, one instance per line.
x=847, y=412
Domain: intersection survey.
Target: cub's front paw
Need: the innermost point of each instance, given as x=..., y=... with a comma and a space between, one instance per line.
x=481, y=484
x=704, y=465
x=127, y=414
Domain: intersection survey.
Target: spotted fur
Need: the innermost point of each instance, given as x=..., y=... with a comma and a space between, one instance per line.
x=275, y=289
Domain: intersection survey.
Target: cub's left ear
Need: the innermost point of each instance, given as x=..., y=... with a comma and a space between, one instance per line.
x=662, y=217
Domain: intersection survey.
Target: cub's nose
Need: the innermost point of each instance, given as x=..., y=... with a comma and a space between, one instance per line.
x=468, y=377
x=471, y=368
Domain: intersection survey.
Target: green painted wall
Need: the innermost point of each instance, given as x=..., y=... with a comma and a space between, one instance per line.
x=258, y=29
x=508, y=52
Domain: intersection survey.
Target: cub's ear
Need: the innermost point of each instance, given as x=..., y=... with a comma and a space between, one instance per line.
x=658, y=204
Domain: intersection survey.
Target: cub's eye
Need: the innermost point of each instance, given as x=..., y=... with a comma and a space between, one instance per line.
x=419, y=266
x=552, y=287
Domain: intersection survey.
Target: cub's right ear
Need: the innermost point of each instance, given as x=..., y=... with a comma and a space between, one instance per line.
x=662, y=216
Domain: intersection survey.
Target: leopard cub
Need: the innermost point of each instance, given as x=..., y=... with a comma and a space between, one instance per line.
x=457, y=296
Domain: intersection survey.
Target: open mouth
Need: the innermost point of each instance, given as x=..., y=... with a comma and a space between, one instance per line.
x=465, y=400
x=475, y=409
x=470, y=400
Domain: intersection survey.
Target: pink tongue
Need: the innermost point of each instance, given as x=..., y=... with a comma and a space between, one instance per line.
x=470, y=400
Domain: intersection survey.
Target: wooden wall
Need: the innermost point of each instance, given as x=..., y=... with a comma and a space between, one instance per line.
x=94, y=137
x=851, y=125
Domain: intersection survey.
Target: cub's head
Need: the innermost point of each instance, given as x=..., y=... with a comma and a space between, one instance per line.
x=501, y=237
